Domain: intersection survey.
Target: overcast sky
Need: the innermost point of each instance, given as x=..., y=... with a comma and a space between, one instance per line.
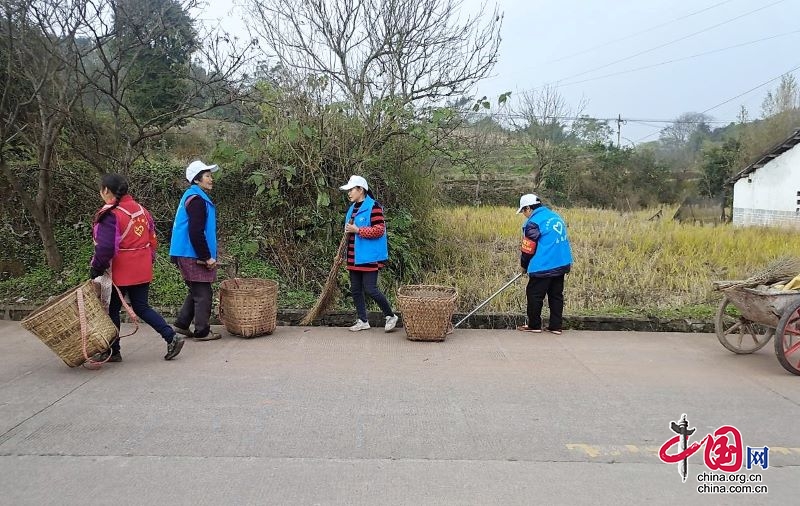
x=567, y=41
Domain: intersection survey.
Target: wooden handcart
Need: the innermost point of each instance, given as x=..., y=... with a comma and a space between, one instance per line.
x=748, y=318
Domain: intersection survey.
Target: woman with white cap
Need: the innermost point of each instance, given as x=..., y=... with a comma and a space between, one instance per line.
x=194, y=249
x=546, y=257
x=367, y=250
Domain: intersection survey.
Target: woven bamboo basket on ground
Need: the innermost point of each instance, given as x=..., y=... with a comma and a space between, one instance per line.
x=427, y=311
x=248, y=307
x=58, y=325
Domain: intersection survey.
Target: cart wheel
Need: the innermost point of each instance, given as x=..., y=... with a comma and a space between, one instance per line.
x=787, y=339
x=738, y=334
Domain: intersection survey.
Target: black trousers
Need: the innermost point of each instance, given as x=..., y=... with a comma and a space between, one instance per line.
x=197, y=307
x=361, y=282
x=138, y=294
x=535, y=292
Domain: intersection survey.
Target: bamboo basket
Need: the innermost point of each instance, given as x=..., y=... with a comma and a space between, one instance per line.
x=248, y=307
x=58, y=325
x=427, y=311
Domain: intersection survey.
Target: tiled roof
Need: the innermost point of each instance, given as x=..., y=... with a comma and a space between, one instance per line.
x=770, y=155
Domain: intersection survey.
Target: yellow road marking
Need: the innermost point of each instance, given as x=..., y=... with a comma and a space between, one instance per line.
x=592, y=451
x=595, y=451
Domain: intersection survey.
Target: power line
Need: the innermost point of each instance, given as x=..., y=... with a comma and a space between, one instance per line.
x=673, y=41
x=646, y=30
x=737, y=96
x=680, y=122
x=649, y=124
x=556, y=83
x=643, y=121
x=750, y=90
x=561, y=85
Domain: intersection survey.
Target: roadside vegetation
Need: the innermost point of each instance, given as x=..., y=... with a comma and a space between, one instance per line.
x=625, y=264
x=81, y=96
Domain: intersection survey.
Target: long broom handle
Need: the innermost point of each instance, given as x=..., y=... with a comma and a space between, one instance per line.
x=490, y=298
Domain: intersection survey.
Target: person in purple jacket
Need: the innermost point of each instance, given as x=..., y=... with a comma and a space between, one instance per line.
x=125, y=247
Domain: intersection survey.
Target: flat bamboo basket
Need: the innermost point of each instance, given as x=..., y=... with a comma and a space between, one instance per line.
x=427, y=311
x=58, y=325
x=248, y=307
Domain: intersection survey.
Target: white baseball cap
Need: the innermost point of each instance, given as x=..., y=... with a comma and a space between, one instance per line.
x=196, y=167
x=355, y=181
x=526, y=200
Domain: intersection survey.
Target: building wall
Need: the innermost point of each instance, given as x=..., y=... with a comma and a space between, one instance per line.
x=770, y=196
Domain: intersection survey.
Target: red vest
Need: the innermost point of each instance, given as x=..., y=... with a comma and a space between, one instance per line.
x=133, y=263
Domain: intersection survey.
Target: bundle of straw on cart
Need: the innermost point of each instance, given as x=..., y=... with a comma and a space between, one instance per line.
x=780, y=271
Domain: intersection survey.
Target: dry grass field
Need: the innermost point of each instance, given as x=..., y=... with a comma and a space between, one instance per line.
x=624, y=263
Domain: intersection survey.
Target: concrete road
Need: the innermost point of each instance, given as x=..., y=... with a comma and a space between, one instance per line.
x=315, y=415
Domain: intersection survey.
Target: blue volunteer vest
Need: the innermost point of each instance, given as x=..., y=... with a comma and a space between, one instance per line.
x=367, y=250
x=552, y=249
x=180, y=245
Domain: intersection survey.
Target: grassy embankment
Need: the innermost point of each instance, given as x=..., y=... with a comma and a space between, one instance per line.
x=624, y=264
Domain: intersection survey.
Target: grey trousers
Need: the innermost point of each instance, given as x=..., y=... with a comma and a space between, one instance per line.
x=196, y=307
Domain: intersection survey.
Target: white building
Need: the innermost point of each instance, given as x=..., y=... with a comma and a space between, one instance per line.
x=767, y=192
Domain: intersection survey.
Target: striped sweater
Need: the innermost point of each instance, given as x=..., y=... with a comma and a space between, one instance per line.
x=376, y=229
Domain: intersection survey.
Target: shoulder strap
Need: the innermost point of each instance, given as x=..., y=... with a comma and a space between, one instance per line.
x=133, y=215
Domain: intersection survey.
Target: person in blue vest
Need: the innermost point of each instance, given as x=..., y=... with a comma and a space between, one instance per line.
x=546, y=257
x=367, y=251
x=194, y=249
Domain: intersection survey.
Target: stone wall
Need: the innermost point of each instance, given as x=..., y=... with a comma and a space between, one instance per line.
x=490, y=192
x=765, y=218
x=292, y=317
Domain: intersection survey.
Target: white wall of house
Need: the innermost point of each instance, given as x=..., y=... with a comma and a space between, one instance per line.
x=770, y=196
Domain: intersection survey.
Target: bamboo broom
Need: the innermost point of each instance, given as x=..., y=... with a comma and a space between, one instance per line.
x=782, y=269
x=328, y=295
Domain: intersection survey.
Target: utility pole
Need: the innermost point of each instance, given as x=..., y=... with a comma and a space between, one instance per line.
x=619, y=130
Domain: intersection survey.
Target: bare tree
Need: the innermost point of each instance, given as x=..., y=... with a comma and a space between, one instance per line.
x=780, y=117
x=64, y=65
x=38, y=91
x=478, y=140
x=212, y=81
x=786, y=98
x=678, y=134
x=542, y=119
x=588, y=131
x=375, y=52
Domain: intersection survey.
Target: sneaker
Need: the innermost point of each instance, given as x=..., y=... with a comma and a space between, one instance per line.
x=391, y=323
x=554, y=331
x=183, y=331
x=103, y=356
x=174, y=347
x=359, y=325
x=211, y=336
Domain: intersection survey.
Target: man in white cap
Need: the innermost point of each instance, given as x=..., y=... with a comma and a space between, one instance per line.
x=546, y=256
x=194, y=249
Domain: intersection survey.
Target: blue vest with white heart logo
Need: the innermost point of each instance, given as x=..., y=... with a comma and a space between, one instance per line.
x=552, y=249
x=180, y=245
x=367, y=250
